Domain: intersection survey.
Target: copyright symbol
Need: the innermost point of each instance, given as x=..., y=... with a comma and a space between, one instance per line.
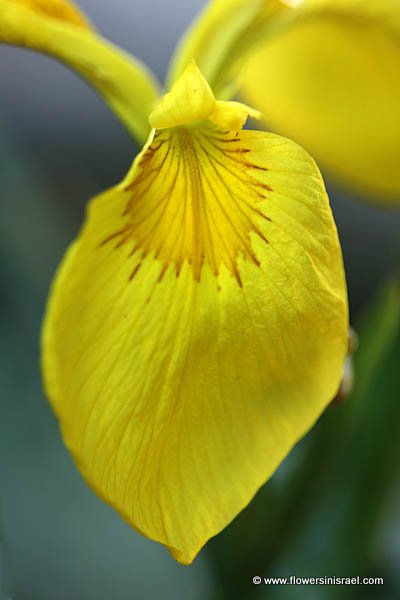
x=257, y=580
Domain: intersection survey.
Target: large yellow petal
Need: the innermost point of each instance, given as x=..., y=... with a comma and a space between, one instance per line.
x=57, y=28
x=331, y=82
x=197, y=328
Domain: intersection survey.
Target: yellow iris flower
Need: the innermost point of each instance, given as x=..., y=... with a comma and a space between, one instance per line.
x=197, y=327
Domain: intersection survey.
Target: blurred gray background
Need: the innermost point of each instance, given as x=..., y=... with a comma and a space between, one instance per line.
x=59, y=146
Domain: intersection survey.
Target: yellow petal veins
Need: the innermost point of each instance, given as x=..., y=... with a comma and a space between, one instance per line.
x=195, y=199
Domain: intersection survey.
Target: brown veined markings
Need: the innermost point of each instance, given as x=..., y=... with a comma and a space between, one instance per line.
x=195, y=197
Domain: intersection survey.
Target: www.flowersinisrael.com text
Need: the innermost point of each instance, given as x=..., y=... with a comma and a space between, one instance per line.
x=293, y=580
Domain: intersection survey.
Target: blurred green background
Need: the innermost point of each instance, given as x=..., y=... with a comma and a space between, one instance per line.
x=331, y=509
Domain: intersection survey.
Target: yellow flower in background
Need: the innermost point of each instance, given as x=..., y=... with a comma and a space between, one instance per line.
x=197, y=326
x=324, y=72
x=332, y=83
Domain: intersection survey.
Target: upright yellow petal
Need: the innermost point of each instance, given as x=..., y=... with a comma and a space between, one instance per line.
x=220, y=37
x=57, y=28
x=331, y=82
x=197, y=327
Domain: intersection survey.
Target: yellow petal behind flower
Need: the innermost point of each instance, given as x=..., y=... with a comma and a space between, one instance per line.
x=331, y=82
x=57, y=28
x=197, y=328
x=219, y=38
x=62, y=10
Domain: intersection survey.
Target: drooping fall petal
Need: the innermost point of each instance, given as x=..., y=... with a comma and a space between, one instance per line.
x=331, y=82
x=58, y=28
x=197, y=326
